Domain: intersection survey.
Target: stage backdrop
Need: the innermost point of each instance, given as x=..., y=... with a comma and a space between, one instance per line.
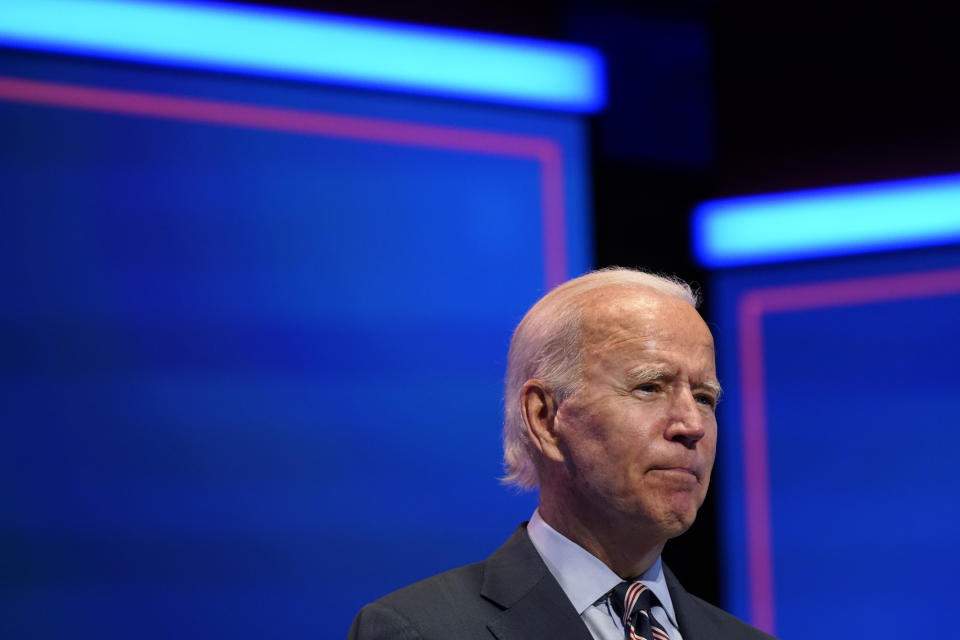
x=253, y=337
x=838, y=439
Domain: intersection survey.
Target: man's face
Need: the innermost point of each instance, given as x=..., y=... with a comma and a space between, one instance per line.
x=640, y=436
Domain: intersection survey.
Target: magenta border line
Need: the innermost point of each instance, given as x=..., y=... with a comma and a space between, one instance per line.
x=752, y=306
x=542, y=150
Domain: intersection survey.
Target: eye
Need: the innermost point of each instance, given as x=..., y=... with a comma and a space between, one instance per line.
x=706, y=399
x=648, y=387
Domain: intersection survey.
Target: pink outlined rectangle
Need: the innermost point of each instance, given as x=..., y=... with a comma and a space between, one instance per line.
x=545, y=151
x=752, y=306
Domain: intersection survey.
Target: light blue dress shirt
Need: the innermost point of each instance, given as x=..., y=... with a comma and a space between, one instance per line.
x=587, y=581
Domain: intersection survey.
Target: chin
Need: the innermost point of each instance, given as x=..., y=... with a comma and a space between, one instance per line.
x=678, y=521
x=680, y=526
x=665, y=524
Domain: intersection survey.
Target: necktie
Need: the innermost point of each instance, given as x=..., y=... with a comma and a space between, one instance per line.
x=632, y=602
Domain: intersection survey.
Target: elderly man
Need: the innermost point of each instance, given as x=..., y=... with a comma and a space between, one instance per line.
x=610, y=409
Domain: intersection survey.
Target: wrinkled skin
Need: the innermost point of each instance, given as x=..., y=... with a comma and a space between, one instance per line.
x=627, y=459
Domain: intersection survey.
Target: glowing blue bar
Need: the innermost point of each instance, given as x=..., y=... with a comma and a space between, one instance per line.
x=314, y=47
x=828, y=222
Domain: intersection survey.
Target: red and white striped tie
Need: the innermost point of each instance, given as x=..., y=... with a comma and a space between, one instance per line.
x=632, y=602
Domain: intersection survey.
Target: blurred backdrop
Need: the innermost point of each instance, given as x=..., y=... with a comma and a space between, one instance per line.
x=254, y=322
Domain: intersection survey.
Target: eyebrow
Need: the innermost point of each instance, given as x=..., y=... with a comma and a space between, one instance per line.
x=649, y=374
x=713, y=386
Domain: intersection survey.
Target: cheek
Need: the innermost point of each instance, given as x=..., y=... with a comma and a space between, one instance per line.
x=582, y=439
x=710, y=442
x=710, y=454
x=591, y=423
x=602, y=460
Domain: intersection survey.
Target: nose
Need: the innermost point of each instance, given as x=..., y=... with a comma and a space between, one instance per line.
x=686, y=420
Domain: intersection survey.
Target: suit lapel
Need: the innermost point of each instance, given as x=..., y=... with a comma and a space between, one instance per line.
x=544, y=613
x=535, y=605
x=694, y=625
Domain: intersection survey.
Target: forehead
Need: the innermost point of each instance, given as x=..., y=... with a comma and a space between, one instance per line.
x=627, y=318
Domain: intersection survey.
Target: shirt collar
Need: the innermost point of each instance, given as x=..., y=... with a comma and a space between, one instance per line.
x=584, y=577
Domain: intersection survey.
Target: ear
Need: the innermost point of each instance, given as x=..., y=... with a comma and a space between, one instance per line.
x=539, y=409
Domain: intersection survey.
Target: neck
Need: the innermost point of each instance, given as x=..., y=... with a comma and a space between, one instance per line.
x=626, y=548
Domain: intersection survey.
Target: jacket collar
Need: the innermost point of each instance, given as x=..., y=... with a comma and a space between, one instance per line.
x=535, y=606
x=691, y=620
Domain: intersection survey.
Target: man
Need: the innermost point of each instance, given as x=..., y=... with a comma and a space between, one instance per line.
x=610, y=409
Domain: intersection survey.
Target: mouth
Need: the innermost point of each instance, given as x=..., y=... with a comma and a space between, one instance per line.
x=680, y=470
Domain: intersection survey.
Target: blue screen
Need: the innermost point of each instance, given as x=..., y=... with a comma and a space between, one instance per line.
x=836, y=459
x=254, y=334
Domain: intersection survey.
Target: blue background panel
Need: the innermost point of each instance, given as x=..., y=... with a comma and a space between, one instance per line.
x=251, y=380
x=859, y=402
x=862, y=470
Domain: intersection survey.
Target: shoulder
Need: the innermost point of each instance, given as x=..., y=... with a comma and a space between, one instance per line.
x=722, y=624
x=700, y=620
x=431, y=608
x=444, y=589
x=463, y=602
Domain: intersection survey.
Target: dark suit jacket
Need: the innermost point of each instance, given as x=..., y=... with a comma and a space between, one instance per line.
x=513, y=596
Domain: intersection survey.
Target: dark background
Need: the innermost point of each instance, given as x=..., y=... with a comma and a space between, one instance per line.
x=710, y=99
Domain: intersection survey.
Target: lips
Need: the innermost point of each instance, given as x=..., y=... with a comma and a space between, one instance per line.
x=680, y=468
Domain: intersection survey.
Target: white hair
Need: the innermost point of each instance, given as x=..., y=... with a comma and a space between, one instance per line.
x=547, y=345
